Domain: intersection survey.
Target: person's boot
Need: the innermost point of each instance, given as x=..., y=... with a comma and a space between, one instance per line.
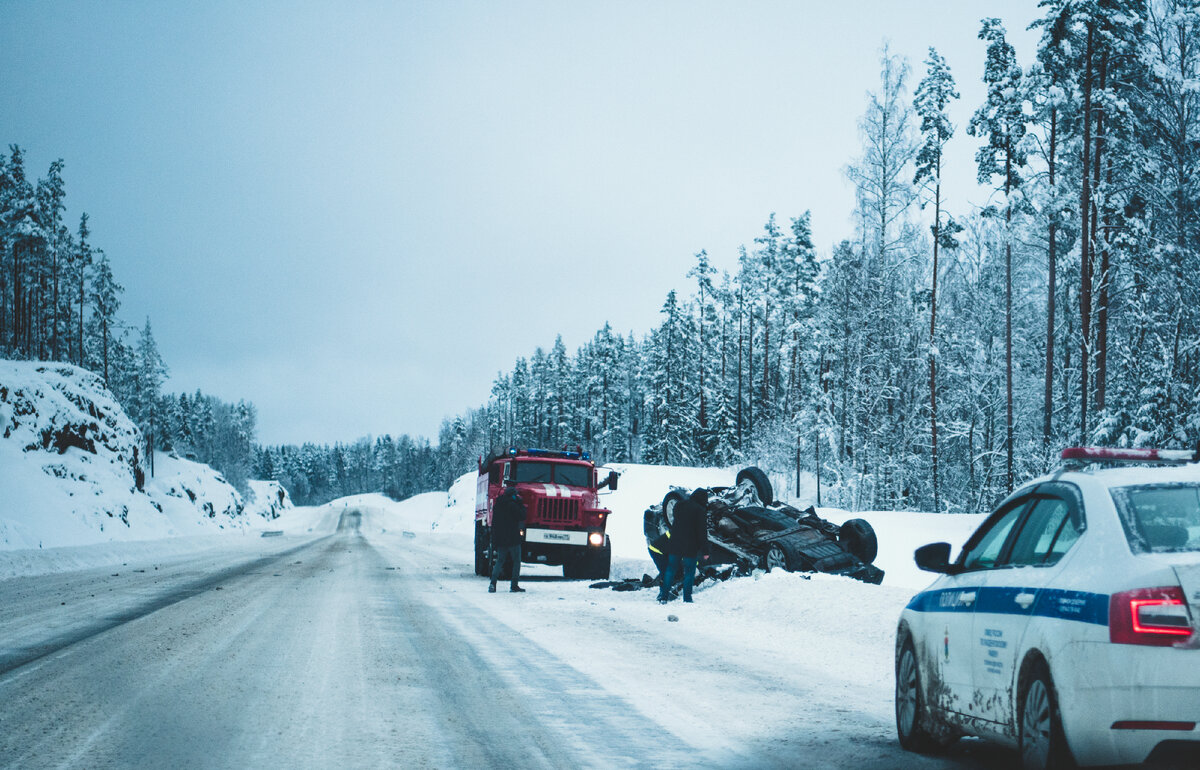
x=516, y=589
x=492, y=588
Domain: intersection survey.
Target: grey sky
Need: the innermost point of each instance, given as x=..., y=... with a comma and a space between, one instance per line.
x=356, y=214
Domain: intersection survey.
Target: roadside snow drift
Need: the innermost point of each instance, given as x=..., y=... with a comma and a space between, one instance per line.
x=640, y=486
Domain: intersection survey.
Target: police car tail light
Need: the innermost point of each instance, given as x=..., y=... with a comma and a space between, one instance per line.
x=1149, y=616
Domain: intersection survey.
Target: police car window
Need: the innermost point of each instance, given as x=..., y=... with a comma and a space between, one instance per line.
x=985, y=553
x=1160, y=518
x=573, y=475
x=527, y=472
x=1047, y=533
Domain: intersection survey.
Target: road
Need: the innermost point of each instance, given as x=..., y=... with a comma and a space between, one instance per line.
x=363, y=648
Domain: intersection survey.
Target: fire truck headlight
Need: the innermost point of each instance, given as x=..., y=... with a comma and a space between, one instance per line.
x=596, y=538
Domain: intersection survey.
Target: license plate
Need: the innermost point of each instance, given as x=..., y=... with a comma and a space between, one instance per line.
x=555, y=536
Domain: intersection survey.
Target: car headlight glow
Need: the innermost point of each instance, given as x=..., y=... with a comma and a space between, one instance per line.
x=596, y=538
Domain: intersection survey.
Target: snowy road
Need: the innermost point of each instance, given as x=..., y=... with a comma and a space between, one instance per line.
x=369, y=648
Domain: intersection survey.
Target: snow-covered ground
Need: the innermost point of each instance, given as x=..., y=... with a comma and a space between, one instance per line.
x=69, y=467
x=777, y=670
x=640, y=486
x=831, y=619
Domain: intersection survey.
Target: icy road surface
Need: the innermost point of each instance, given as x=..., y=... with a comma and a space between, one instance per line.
x=374, y=648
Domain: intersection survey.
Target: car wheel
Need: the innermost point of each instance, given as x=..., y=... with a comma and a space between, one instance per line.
x=775, y=559
x=912, y=716
x=672, y=499
x=1043, y=745
x=858, y=537
x=760, y=482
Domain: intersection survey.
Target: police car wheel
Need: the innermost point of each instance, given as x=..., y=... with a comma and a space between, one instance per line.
x=910, y=707
x=1043, y=746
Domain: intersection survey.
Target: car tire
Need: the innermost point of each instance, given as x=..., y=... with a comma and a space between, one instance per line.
x=774, y=558
x=912, y=714
x=783, y=555
x=858, y=538
x=673, y=498
x=1041, y=741
x=762, y=484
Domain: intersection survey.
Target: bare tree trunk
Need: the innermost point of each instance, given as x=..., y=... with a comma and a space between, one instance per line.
x=1008, y=367
x=1102, y=300
x=1048, y=407
x=54, y=309
x=750, y=372
x=1085, y=273
x=741, y=338
x=766, y=353
x=933, y=423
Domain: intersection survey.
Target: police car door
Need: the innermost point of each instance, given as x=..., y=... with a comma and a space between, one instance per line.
x=957, y=603
x=1016, y=590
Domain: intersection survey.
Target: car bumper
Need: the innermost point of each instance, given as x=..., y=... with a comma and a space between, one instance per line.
x=1108, y=684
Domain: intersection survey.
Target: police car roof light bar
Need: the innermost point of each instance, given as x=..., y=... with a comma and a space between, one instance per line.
x=1095, y=454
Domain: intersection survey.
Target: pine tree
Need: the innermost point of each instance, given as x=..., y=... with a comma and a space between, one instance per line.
x=1000, y=120
x=106, y=293
x=933, y=97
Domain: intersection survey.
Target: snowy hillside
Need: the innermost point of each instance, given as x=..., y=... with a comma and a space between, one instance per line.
x=70, y=470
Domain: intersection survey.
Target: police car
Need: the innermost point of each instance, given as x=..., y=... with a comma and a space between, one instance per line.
x=1069, y=625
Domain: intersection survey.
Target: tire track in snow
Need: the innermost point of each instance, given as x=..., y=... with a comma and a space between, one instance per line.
x=12, y=659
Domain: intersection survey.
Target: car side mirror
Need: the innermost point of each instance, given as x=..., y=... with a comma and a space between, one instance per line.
x=935, y=557
x=610, y=482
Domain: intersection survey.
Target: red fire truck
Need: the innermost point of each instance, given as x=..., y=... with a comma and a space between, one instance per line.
x=564, y=522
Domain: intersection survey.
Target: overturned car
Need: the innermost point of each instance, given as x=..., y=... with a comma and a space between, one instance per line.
x=749, y=530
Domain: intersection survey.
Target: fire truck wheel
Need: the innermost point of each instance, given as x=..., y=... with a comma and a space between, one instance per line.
x=506, y=573
x=482, y=561
x=601, y=562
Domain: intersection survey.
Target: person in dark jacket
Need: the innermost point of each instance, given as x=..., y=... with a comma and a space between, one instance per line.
x=508, y=518
x=689, y=539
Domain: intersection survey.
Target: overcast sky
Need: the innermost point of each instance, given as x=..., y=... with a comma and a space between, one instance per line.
x=356, y=214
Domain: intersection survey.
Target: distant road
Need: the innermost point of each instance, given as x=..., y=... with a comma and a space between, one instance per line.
x=351, y=651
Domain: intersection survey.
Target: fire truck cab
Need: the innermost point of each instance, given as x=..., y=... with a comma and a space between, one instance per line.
x=564, y=522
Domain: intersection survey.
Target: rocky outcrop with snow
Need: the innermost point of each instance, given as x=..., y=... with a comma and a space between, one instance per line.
x=71, y=473
x=268, y=499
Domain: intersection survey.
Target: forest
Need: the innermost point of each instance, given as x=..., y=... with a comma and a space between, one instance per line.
x=60, y=301
x=933, y=359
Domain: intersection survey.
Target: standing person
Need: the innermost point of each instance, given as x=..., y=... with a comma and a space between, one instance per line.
x=508, y=517
x=655, y=542
x=689, y=538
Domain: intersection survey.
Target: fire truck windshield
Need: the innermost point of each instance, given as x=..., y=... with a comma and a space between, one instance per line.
x=572, y=475
x=546, y=473
x=533, y=472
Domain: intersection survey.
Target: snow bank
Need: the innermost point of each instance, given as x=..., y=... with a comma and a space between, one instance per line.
x=69, y=470
x=640, y=486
